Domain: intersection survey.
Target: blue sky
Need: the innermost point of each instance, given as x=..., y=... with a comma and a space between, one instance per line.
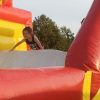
x=64, y=12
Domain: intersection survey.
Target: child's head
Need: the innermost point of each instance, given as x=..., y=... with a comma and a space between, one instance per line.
x=82, y=20
x=27, y=32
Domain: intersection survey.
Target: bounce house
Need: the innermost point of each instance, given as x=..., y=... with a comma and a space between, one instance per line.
x=49, y=74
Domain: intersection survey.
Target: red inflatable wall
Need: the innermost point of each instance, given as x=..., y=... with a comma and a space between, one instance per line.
x=41, y=84
x=7, y=3
x=16, y=15
x=95, y=85
x=85, y=50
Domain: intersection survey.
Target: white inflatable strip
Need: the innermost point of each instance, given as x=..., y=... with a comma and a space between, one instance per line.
x=32, y=59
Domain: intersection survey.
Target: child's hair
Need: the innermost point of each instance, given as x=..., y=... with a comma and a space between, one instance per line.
x=29, y=29
x=82, y=20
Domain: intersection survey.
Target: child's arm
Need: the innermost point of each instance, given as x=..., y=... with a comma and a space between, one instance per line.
x=38, y=42
x=20, y=42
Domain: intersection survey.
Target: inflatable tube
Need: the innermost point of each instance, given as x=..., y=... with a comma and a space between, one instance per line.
x=21, y=16
x=84, y=52
x=41, y=84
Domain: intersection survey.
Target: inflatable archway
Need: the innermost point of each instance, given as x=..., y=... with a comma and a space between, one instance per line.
x=78, y=79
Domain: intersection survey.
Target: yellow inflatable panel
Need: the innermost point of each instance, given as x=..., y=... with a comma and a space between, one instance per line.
x=6, y=42
x=4, y=31
x=0, y=2
x=87, y=85
x=10, y=34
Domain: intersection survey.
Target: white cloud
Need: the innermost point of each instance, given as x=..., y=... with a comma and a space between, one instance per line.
x=63, y=12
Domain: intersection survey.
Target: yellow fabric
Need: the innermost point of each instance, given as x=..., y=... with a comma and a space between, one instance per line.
x=87, y=85
x=97, y=96
x=10, y=34
x=0, y=2
x=4, y=31
x=6, y=43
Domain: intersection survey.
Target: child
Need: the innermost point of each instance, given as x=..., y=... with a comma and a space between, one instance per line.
x=82, y=20
x=30, y=39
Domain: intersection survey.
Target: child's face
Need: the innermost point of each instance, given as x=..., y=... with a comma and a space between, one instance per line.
x=27, y=35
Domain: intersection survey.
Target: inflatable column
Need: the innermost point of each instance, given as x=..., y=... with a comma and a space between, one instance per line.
x=84, y=52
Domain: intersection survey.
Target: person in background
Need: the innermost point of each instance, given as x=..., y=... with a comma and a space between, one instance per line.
x=30, y=38
x=82, y=21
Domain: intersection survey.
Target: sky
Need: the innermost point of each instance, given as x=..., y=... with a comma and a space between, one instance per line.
x=67, y=13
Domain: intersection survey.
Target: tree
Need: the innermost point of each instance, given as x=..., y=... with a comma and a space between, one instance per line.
x=50, y=35
x=69, y=35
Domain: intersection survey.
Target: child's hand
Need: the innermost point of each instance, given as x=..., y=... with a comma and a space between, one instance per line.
x=11, y=50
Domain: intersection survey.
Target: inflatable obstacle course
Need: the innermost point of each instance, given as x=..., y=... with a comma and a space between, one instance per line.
x=78, y=79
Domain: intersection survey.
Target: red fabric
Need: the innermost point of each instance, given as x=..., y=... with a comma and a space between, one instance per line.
x=85, y=50
x=41, y=84
x=28, y=47
x=16, y=15
x=7, y=3
x=95, y=84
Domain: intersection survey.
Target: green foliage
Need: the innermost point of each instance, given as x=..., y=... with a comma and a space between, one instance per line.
x=50, y=35
x=68, y=34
